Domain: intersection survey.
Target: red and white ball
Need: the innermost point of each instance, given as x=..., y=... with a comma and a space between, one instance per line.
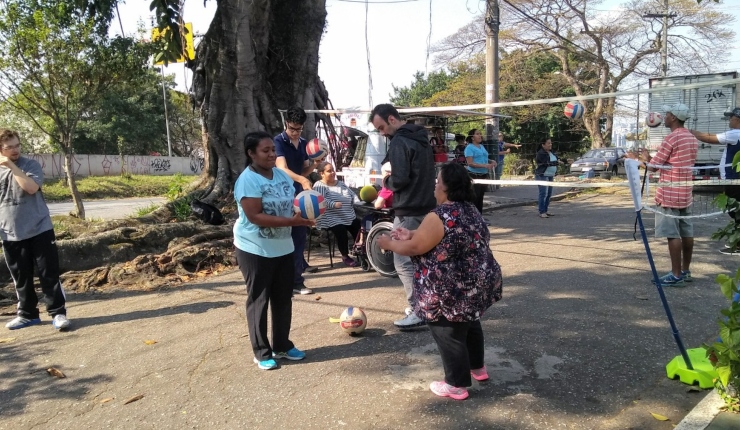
x=317, y=149
x=574, y=110
x=310, y=204
x=653, y=119
x=353, y=321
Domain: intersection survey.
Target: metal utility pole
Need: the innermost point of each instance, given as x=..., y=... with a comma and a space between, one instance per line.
x=664, y=54
x=492, y=28
x=166, y=118
x=637, y=123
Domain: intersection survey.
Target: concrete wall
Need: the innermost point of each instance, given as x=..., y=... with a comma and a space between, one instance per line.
x=113, y=165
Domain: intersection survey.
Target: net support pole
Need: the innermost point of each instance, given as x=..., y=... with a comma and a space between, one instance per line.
x=667, y=308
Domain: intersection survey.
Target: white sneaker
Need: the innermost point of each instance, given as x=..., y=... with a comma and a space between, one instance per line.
x=410, y=321
x=60, y=322
x=408, y=311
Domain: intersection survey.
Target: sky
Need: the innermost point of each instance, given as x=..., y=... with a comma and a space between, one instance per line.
x=397, y=41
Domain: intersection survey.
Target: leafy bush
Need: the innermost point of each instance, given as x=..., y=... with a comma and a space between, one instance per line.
x=176, y=194
x=177, y=187
x=725, y=354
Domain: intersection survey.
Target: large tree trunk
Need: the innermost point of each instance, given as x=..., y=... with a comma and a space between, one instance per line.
x=257, y=57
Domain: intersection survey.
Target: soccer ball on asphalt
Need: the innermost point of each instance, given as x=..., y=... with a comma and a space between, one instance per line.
x=353, y=321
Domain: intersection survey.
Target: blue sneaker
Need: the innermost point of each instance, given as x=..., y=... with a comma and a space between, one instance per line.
x=294, y=354
x=268, y=364
x=20, y=322
x=686, y=275
x=670, y=280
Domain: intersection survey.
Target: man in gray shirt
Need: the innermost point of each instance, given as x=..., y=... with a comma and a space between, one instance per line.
x=28, y=236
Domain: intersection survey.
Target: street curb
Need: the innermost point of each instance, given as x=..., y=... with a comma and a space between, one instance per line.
x=530, y=202
x=702, y=414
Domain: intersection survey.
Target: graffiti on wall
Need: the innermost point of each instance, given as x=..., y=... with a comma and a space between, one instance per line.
x=107, y=165
x=56, y=167
x=197, y=161
x=160, y=165
x=138, y=164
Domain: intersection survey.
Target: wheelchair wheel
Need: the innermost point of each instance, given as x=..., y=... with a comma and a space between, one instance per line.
x=364, y=264
x=380, y=259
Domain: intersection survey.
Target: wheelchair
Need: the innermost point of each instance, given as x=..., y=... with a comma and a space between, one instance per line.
x=375, y=222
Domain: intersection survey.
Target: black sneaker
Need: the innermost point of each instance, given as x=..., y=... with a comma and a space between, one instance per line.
x=311, y=269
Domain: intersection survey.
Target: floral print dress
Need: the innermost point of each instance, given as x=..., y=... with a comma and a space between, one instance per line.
x=459, y=278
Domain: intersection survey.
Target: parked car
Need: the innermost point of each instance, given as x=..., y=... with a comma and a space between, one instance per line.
x=600, y=160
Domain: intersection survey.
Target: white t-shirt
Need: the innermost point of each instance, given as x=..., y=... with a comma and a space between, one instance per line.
x=730, y=137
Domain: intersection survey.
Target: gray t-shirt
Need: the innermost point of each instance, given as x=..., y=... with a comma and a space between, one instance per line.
x=22, y=215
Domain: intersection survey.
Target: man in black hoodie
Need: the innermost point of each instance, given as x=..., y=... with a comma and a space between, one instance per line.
x=412, y=181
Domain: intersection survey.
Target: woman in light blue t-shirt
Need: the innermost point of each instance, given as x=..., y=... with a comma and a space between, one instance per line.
x=478, y=164
x=264, y=249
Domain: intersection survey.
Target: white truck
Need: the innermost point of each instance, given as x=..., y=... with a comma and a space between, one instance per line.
x=707, y=106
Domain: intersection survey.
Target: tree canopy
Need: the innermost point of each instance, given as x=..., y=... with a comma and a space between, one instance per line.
x=523, y=76
x=57, y=60
x=598, y=51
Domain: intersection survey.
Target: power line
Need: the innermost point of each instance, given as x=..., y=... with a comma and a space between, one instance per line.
x=557, y=35
x=378, y=2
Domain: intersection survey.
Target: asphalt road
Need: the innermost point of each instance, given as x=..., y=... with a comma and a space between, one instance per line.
x=107, y=209
x=579, y=341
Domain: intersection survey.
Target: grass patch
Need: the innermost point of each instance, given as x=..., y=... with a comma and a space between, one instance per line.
x=110, y=187
x=145, y=210
x=67, y=227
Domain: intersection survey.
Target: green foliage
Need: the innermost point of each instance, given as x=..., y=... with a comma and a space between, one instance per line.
x=176, y=189
x=128, y=119
x=422, y=88
x=180, y=200
x=108, y=187
x=57, y=61
x=725, y=354
x=144, y=210
x=730, y=232
x=524, y=76
x=182, y=208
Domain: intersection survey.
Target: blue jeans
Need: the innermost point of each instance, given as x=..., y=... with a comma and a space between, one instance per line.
x=543, y=201
x=404, y=266
x=499, y=168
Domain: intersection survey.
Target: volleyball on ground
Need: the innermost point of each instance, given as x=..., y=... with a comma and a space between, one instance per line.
x=309, y=204
x=653, y=119
x=317, y=148
x=353, y=321
x=368, y=194
x=574, y=110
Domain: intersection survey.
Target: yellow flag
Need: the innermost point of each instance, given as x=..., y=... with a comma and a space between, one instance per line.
x=189, y=48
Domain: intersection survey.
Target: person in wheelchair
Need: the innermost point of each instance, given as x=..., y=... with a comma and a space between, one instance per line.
x=340, y=216
x=385, y=196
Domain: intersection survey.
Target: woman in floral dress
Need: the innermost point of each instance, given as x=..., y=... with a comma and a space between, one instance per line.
x=456, y=278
